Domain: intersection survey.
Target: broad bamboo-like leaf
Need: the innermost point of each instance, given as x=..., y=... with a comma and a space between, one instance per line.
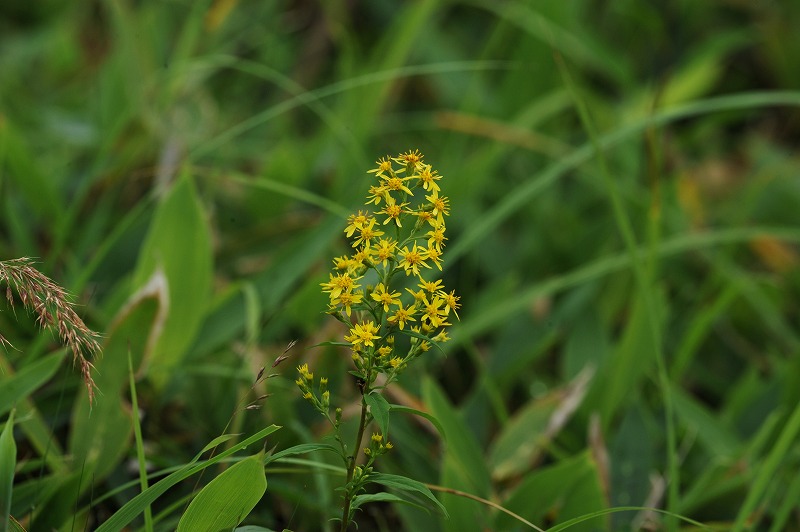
x=226, y=500
x=178, y=244
x=135, y=506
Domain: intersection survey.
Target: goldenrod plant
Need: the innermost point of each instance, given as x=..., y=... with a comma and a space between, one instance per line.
x=388, y=295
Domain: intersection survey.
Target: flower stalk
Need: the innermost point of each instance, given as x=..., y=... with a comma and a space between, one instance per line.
x=387, y=295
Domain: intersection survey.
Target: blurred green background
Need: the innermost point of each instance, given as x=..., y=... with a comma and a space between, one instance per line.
x=625, y=191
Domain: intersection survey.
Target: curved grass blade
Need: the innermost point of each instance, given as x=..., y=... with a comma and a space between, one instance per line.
x=8, y=464
x=567, y=524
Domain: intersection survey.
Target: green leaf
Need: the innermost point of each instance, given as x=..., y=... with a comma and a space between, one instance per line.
x=8, y=464
x=409, y=485
x=715, y=436
x=14, y=388
x=178, y=244
x=101, y=432
x=360, y=500
x=463, y=449
x=408, y=410
x=379, y=408
x=463, y=467
x=567, y=489
x=135, y=506
x=336, y=344
x=303, y=448
x=219, y=440
x=226, y=500
x=521, y=439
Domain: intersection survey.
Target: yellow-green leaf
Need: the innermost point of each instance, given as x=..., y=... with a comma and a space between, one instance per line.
x=178, y=244
x=226, y=500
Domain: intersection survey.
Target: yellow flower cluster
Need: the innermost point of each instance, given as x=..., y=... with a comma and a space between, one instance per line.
x=321, y=399
x=403, y=233
x=377, y=447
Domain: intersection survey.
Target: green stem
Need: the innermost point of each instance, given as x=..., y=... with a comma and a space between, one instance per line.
x=351, y=467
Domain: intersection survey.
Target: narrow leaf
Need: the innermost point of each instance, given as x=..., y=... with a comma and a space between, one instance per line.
x=303, y=448
x=14, y=388
x=408, y=410
x=8, y=463
x=408, y=485
x=381, y=497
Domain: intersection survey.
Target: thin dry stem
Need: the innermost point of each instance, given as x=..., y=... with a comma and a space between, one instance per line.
x=54, y=311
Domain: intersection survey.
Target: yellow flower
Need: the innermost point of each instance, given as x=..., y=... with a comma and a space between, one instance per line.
x=396, y=184
x=367, y=233
x=426, y=216
x=360, y=258
x=441, y=337
x=341, y=263
x=363, y=334
x=409, y=158
x=377, y=193
x=338, y=284
x=428, y=178
x=393, y=211
x=432, y=313
x=355, y=222
x=381, y=295
x=346, y=300
x=431, y=286
x=385, y=350
x=450, y=302
x=441, y=205
x=436, y=237
x=384, y=250
x=395, y=362
x=418, y=296
x=303, y=370
x=412, y=260
x=377, y=437
x=434, y=255
x=384, y=167
x=402, y=315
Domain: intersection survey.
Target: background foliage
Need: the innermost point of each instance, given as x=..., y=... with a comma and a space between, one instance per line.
x=624, y=187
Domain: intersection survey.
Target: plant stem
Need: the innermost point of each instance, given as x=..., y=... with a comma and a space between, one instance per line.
x=348, y=495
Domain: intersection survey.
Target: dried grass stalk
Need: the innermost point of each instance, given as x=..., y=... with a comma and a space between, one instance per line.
x=53, y=310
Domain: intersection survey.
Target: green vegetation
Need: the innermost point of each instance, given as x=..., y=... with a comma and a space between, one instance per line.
x=625, y=218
